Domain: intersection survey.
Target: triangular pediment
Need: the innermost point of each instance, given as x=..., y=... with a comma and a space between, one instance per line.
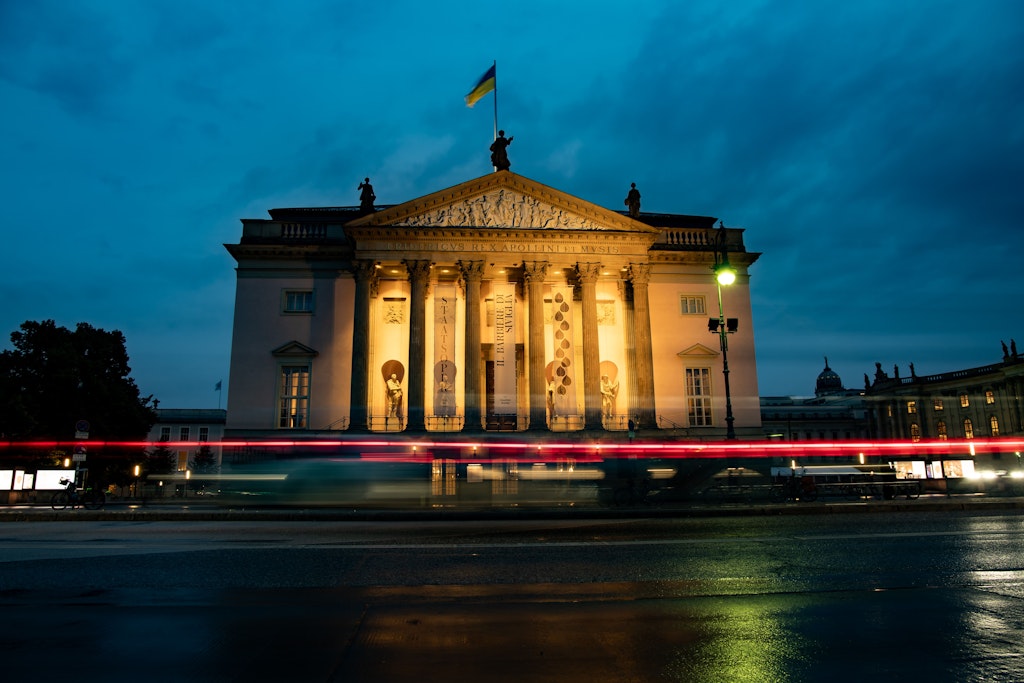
x=294, y=349
x=502, y=200
x=698, y=351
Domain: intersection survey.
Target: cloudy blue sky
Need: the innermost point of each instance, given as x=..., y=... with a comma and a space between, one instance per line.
x=872, y=150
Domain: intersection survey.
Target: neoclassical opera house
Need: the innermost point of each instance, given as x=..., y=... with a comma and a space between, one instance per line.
x=496, y=305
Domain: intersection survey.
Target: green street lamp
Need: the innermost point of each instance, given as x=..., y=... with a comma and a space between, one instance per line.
x=725, y=275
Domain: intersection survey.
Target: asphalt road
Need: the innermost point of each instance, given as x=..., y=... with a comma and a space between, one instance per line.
x=910, y=595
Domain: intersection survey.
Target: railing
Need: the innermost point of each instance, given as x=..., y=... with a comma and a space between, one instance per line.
x=303, y=231
x=615, y=423
x=386, y=423
x=955, y=374
x=340, y=424
x=699, y=239
x=566, y=423
x=506, y=423
x=445, y=423
x=686, y=238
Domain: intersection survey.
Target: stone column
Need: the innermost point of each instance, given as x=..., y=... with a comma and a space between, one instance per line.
x=588, y=274
x=419, y=272
x=534, y=274
x=640, y=274
x=359, y=390
x=473, y=273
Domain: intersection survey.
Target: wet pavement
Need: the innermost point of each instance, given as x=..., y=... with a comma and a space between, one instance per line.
x=923, y=594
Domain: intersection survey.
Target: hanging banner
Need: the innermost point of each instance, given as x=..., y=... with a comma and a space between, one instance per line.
x=444, y=350
x=561, y=387
x=504, y=348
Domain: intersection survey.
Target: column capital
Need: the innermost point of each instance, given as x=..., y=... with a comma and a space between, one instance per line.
x=534, y=272
x=471, y=270
x=640, y=273
x=364, y=270
x=588, y=272
x=418, y=270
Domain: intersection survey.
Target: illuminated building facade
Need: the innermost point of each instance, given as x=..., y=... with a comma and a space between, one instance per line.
x=973, y=403
x=499, y=304
x=962, y=404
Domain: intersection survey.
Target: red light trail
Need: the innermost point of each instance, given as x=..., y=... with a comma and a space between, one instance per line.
x=420, y=450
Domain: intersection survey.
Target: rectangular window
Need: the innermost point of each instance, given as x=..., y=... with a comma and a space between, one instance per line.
x=204, y=433
x=691, y=304
x=911, y=407
x=938, y=404
x=165, y=433
x=294, y=397
x=183, y=434
x=964, y=401
x=698, y=396
x=298, y=301
x=993, y=424
x=990, y=398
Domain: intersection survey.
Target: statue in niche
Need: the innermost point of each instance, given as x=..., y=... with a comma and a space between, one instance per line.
x=394, y=396
x=633, y=201
x=609, y=387
x=393, y=372
x=609, y=392
x=499, y=152
x=366, y=196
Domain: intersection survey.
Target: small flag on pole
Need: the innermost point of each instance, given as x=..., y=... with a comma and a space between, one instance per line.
x=217, y=388
x=485, y=85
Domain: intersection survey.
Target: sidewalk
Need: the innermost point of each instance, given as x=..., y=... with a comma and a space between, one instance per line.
x=134, y=511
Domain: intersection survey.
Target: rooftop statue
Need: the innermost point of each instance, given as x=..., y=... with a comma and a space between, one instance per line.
x=633, y=201
x=366, y=195
x=499, y=152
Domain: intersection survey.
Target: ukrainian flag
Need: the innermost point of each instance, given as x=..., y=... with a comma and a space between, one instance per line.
x=484, y=85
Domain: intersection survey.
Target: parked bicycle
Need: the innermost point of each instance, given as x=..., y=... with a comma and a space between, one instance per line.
x=794, y=488
x=92, y=500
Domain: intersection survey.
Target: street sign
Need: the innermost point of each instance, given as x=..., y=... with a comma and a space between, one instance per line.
x=79, y=454
x=82, y=429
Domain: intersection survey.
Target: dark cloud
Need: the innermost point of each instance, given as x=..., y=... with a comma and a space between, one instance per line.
x=872, y=150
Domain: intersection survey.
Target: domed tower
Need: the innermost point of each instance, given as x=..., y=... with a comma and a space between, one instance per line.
x=828, y=382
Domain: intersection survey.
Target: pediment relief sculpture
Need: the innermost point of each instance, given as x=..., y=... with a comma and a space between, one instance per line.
x=501, y=208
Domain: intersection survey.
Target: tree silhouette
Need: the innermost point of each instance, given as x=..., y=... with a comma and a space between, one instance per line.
x=54, y=378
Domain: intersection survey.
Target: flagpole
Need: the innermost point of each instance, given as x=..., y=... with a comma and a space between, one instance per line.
x=495, y=99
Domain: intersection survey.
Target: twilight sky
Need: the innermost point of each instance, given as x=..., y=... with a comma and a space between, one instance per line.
x=873, y=150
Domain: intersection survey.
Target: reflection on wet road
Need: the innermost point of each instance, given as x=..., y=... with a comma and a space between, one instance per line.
x=831, y=597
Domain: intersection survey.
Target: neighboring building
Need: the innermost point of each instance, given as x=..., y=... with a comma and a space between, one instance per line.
x=203, y=426
x=499, y=304
x=834, y=413
x=962, y=404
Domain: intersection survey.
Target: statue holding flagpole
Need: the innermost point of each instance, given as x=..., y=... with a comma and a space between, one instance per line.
x=489, y=83
x=499, y=152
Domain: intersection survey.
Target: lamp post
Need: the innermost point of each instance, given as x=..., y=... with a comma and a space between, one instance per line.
x=724, y=276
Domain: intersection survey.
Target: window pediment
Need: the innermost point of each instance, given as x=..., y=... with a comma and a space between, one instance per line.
x=697, y=351
x=294, y=349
